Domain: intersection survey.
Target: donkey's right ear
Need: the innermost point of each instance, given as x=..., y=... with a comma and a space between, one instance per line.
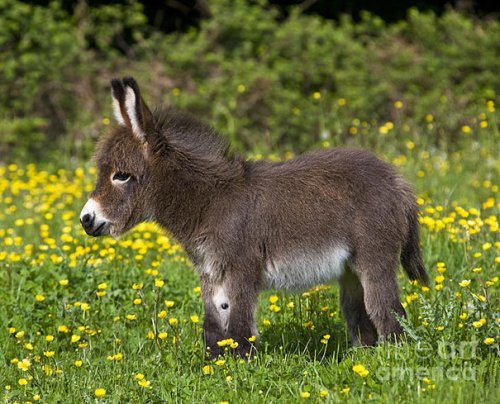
x=129, y=108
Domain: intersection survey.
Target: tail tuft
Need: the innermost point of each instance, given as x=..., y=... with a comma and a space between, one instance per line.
x=411, y=257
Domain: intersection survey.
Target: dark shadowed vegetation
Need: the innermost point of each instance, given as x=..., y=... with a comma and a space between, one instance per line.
x=266, y=82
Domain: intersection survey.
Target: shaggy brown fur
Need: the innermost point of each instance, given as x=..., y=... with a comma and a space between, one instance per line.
x=248, y=226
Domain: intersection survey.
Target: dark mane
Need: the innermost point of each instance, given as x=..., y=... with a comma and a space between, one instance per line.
x=186, y=134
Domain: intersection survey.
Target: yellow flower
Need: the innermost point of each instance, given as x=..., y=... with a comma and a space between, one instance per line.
x=20, y=334
x=220, y=362
x=64, y=282
x=75, y=338
x=24, y=364
x=159, y=283
x=489, y=341
x=162, y=314
x=173, y=321
x=28, y=346
x=144, y=383
x=360, y=370
x=479, y=323
x=439, y=279
x=22, y=382
x=169, y=304
x=49, y=354
x=39, y=298
x=323, y=393
x=137, y=286
x=252, y=338
x=131, y=317
x=273, y=299
x=64, y=329
x=137, y=301
x=208, y=370
x=345, y=390
x=100, y=393
x=463, y=316
x=438, y=286
x=465, y=283
x=194, y=319
x=398, y=104
x=316, y=95
x=102, y=286
x=486, y=246
x=163, y=335
x=225, y=342
x=305, y=394
x=139, y=376
x=78, y=363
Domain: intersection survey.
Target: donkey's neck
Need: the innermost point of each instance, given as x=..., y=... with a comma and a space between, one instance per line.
x=183, y=199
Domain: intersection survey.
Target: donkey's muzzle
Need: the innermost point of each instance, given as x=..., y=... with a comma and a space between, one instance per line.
x=87, y=221
x=92, y=228
x=93, y=222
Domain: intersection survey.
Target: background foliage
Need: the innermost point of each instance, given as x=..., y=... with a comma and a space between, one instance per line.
x=264, y=82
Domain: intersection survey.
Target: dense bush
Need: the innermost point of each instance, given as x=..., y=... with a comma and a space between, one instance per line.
x=267, y=85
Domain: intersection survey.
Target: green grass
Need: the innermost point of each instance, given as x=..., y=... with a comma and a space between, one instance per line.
x=445, y=357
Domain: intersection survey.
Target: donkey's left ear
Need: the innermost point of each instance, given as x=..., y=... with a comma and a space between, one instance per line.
x=129, y=108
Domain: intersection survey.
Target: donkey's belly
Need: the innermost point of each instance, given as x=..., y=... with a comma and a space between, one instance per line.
x=303, y=270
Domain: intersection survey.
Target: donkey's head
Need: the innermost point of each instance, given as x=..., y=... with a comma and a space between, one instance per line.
x=116, y=205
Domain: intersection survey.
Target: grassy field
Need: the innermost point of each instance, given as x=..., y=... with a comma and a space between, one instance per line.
x=99, y=320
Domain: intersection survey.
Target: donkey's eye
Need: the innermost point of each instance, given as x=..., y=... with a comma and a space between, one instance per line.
x=121, y=177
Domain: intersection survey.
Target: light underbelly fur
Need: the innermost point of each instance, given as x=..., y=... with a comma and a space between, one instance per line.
x=303, y=270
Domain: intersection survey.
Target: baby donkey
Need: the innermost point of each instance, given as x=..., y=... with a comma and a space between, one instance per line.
x=247, y=226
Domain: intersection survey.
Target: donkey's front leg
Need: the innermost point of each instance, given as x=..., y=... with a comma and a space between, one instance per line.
x=214, y=327
x=230, y=306
x=243, y=289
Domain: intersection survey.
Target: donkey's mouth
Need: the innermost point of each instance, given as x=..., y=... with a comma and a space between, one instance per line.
x=101, y=230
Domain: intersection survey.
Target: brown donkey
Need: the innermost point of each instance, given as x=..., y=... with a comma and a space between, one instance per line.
x=246, y=226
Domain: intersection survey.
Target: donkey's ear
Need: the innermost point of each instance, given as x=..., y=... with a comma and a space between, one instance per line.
x=129, y=108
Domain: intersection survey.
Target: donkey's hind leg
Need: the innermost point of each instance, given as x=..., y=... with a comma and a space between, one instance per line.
x=381, y=296
x=361, y=330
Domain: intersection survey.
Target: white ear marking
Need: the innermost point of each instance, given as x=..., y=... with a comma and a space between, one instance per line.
x=117, y=112
x=131, y=106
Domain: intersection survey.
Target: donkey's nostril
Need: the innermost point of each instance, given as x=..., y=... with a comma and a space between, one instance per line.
x=87, y=220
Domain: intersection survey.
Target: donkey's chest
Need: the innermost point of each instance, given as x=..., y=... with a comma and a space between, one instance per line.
x=302, y=270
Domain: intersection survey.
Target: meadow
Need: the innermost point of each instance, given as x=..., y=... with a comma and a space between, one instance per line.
x=104, y=320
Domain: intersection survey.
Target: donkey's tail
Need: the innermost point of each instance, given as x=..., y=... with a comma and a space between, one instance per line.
x=411, y=257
